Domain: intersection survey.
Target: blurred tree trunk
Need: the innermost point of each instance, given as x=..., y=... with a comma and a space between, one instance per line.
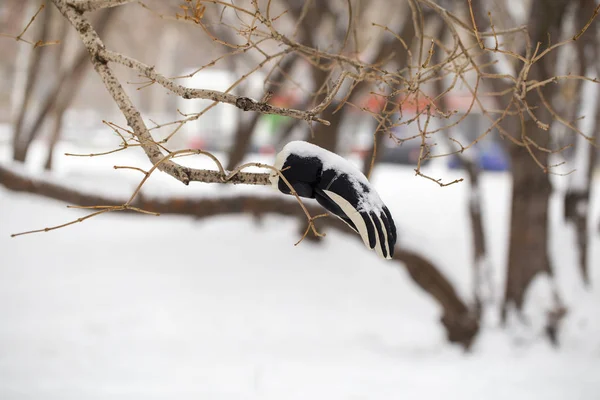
x=311, y=15
x=15, y=59
x=462, y=325
x=481, y=268
x=241, y=141
x=528, y=243
x=375, y=152
x=61, y=105
x=577, y=198
x=389, y=46
x=34, y=70
x=245, y=129
x=321, y=135
x=327, y=136
x=57, y=99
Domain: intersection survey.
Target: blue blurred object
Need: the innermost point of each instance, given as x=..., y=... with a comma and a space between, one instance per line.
x=490, y=156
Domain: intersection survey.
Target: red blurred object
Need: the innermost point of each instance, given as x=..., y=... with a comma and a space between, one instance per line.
x=196, y=143
x=414, y=104
x=266, y=150
x=283, y=100
x=374, y=102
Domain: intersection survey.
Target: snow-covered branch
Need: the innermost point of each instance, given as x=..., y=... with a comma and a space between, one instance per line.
x=95, y=47
x=243, y=103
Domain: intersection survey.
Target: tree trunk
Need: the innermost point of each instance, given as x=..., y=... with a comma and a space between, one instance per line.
x=33, y=73
x=59, y=112
x=577, y=199
x=13, y=20
x=63, y=90
x=327, y=136
x=462, y=325
x=376, y=151
x=407, y=33
x=61, y=104
x=528, y=250
x=482, y=270
x=321, y=135
x=528, y=243
x=245, y=129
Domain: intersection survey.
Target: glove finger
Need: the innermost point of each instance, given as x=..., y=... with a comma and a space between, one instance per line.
x=392, y=224
x=389, y=235
x=370, y=229
x=381, y=235
x=385, y=244
x=341, y=207
x=338, y=207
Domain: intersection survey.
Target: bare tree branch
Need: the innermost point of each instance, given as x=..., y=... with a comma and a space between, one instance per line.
x=93, y=5
x=460, y=324
x=134, y=119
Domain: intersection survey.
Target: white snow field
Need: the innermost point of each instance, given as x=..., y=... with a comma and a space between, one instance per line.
x=140, y=307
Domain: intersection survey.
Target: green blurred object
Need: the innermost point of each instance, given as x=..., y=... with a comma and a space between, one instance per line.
x=274, y=122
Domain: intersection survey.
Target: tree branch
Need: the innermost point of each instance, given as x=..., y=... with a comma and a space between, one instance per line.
x=243, y=103
x=460, y=324
x=95, y=47
x=93, y=5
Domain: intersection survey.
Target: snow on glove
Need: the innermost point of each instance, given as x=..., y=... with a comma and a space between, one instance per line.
x=340, y=188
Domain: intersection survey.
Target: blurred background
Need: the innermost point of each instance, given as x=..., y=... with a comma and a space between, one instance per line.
x=493, y=290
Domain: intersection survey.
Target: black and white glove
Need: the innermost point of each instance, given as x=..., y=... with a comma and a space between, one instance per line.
x=340, y=188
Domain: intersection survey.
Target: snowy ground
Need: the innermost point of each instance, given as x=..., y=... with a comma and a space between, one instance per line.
x=129, y=307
